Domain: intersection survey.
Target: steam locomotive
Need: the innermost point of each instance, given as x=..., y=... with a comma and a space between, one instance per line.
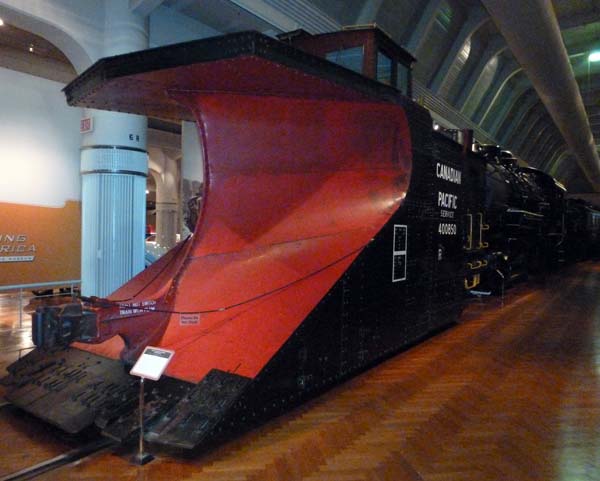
x=336, y=229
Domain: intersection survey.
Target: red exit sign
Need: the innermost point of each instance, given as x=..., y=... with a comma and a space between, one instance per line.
x=86, y=125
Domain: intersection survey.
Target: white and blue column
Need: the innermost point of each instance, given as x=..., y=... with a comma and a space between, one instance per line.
x=114, y=167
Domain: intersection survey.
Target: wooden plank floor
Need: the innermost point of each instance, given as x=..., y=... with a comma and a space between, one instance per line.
x=511, y=393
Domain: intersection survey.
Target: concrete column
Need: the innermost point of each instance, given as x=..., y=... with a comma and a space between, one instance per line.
x=114, y=166
x=166, y=223
x=167, y=198
x=192, y=177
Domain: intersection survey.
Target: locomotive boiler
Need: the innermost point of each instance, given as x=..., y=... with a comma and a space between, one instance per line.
x=524, y=208
x=336, y=229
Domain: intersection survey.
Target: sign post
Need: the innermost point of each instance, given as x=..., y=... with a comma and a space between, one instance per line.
x=150, y=365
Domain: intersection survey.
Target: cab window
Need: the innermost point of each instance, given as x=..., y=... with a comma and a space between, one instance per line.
x=384, y=68
x=351, y=58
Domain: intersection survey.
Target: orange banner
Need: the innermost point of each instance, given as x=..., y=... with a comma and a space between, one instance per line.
x=39, y=244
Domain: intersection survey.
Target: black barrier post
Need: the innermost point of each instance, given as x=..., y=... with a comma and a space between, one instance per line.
x=141, y=458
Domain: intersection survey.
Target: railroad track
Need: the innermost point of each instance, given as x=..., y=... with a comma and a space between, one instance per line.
x=32, y=449
x=62, y=460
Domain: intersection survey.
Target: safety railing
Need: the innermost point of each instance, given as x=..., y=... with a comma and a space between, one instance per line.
x=13, y=304
x=21, y=291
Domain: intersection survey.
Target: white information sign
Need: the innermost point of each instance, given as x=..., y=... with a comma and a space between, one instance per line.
x=152, y=363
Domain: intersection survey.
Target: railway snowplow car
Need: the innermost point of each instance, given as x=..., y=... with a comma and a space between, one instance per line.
x=330, y=238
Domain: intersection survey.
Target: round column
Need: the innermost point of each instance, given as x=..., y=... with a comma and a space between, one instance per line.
x=166, y=224
x=113, y=216
x=167, y=205
x=114, y=166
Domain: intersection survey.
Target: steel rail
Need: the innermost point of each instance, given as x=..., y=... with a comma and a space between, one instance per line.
x=61, y=460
